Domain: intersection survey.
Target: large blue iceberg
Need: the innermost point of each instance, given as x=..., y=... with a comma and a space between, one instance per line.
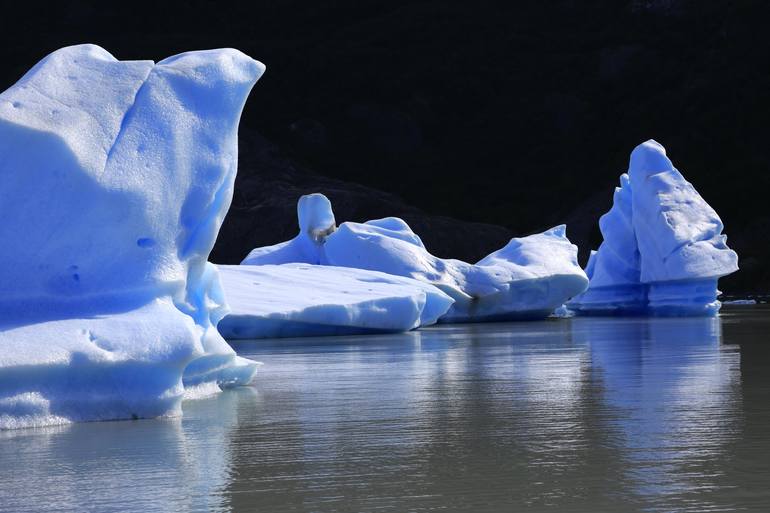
x=663, y=250
x=293, y=300
x=526, y=279
x=115, y=177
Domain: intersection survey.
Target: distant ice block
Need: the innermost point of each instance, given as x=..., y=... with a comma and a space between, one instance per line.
x=294, y=300
x=663, y=248
x=526, y=279
x=316, y=222
x=114, y=180
x=740, y=302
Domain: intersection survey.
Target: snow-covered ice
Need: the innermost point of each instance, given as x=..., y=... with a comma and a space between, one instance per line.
x=115, y=177
x=528, y=278
x=310, y=300
x=316, y=223
x=740, y=302
x=663, y=248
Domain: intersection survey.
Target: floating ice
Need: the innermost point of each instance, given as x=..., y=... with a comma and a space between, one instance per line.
x=309, y=300
x=740, y=302
x=526, y=279
x=114, y=180
x=316, y=222
x=663, y=248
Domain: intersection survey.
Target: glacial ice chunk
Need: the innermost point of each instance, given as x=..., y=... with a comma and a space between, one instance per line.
x=293, y=300
x=114, y=180
x=316, y=222
x=663, y=248
x=528, y=278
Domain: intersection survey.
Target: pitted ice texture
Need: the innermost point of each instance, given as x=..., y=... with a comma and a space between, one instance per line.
x=663, y=250
x=115, y=177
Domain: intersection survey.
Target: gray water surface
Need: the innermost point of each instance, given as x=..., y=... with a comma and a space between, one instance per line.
x=561, y=415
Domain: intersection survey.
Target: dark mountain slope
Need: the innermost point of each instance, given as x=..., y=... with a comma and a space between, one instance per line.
x=265, y=201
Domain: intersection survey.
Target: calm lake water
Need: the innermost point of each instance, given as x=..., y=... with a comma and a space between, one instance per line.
x=569, y=415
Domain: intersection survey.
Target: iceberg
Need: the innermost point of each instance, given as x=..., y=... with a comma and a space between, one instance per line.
x=527, y=279
x=115, y=177
x=294, y=300
x=316, y=223
x=663, y=250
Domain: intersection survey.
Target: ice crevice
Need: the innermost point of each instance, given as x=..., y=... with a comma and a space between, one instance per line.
x=123, y=121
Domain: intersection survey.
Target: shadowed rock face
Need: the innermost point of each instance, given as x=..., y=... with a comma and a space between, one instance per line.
x=269, y=184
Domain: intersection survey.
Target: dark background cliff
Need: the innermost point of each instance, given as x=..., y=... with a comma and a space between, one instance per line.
x=517, y=115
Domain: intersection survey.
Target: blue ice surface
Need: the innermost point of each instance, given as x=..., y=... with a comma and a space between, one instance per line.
x=526, y=279
x=108, y=306
x=292, y=300
x=663, y=250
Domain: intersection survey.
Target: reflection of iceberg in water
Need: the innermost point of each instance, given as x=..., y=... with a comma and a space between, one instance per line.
x=449, y=415
x=149, y=465
x=509, y=407
x=675, y=395
x=546, y=377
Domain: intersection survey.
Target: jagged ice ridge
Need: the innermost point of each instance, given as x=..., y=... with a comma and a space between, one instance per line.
x=663, y=250
x=527, y=279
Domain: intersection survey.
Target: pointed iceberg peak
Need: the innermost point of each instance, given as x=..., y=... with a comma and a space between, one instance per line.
x=316, y=219
x=217, y=66
x=663, y=248
x=316, y=223
x=649, y=158
x=559, y=232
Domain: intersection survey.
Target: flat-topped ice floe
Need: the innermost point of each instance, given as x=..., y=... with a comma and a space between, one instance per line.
x=663, y=249
x=293, y=300
x=114, y=180
x=526, y=279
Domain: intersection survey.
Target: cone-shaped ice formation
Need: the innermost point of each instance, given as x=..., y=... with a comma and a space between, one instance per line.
x=663, y=248
x=527, y=279
x=114, y=180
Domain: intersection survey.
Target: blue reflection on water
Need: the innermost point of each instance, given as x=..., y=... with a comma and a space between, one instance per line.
x=588, y=414
x=676, y=391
